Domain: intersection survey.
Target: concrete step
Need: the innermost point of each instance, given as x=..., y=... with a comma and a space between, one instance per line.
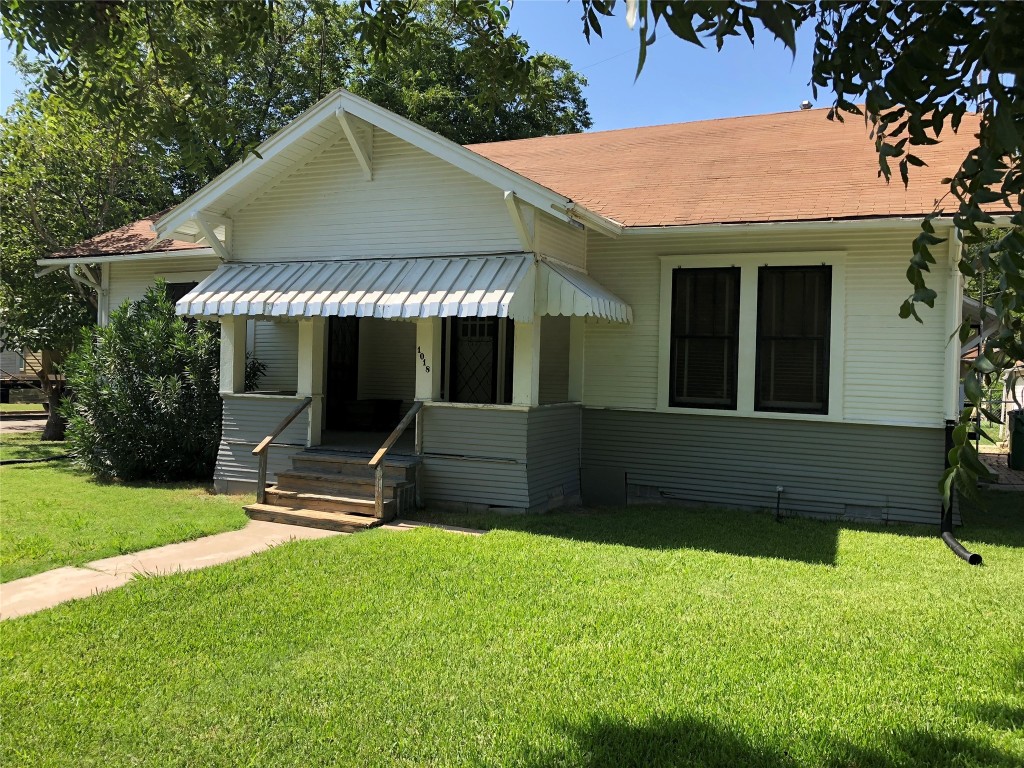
x=361, y=504
x=311, y=518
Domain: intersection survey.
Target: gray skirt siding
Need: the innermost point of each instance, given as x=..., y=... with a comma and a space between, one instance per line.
x=516, y=459
x=535, y=459
x=246, y=421
x=553, y=455
x=475, y=457
x=848, y=471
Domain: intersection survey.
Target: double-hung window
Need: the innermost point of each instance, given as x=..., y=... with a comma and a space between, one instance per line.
x=753, y=334
x=794, y=309
x=705, y=337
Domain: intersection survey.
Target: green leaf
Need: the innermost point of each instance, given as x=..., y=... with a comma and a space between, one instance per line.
x=972, y=388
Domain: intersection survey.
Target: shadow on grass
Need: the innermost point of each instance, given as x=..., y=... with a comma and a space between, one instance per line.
x=665, y=527
x=738, y=532
x=693, y=742
x=999, y=519
x=19, y=445
x=659, y=743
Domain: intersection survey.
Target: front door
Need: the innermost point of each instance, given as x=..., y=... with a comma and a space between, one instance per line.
x=342, y=386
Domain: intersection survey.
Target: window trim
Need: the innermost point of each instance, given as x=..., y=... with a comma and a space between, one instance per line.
x=748, y=264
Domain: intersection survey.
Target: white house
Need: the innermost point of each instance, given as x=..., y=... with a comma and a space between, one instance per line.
x=700, y=313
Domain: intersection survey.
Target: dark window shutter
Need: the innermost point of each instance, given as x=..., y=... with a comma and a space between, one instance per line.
x=794, y=313
x=704, y=337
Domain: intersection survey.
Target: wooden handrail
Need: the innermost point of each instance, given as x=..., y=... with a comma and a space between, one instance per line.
x=396, y=433
x=263, y=448
x=377, y=462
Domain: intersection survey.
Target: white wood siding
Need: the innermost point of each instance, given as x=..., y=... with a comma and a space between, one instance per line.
x=554, y=359
x=893, y=368
x=560, y=240
x=415, y=205
x=129, y=280
x=276, y=344
x=387, y=359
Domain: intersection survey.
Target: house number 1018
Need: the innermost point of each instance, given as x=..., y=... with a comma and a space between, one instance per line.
x=423, y=359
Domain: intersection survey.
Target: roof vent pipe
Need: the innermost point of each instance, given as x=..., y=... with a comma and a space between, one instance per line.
x=805, y=104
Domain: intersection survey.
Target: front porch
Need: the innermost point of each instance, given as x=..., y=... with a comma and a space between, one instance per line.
x=499, y=379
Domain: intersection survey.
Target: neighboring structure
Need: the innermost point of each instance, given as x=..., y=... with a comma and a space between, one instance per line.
x=20, y=374
x=1013, y=392
x=12, y=362
x=701, y=313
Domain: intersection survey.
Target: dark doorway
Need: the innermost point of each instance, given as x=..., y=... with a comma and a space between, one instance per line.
x=342, y=386
x=479, y=360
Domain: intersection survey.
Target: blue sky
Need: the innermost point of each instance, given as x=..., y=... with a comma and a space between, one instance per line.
x=680, y=82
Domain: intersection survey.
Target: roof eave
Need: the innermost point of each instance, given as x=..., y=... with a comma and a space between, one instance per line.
x=886, y=222
x=116, y=257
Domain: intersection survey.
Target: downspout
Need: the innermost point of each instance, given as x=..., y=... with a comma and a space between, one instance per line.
x=946, y=521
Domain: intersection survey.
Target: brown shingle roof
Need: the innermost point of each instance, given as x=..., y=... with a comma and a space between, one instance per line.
x=136, y=237
x=789, y=166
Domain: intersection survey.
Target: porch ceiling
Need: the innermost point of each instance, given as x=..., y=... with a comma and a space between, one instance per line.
x=518, y=286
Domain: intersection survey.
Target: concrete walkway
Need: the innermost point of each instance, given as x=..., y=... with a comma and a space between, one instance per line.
x=45, y=590
x=1006, y=479
x=11, y=423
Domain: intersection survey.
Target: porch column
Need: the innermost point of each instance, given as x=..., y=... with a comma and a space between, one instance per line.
x=311, y=372
x=577, y=339
x=428, y=358
x=232, y=354
x=526, y=363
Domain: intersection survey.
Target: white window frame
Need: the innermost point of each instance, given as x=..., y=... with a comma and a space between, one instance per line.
x=748, y=264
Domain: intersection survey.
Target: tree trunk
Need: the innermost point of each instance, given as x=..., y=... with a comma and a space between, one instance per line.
x=53, y=386
x=55, y=423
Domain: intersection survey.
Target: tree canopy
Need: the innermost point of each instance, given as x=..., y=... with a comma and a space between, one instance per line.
x=210, y=80
x=64, y=176
x=132, y=106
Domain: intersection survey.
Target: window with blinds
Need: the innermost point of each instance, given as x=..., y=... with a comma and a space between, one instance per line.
x=705, y=337
x=794, y=307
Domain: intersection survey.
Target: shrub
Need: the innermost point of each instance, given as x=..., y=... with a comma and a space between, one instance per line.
x=146, y=404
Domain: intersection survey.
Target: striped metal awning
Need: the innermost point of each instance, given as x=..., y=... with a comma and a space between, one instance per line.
x=518, y=286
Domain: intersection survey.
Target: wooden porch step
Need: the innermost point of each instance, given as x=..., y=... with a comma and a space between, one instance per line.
x=326, y=502
x=399, y=468
x=299, y=480
x=311, y=518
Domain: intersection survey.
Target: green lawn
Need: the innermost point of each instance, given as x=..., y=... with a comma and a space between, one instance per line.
x=992, y=430
x=52, y=515
x=643, y=637
x=27, y=445
x=22, y=408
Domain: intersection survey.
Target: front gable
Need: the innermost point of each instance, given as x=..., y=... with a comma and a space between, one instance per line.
x=415, y=204
x=346, y=161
